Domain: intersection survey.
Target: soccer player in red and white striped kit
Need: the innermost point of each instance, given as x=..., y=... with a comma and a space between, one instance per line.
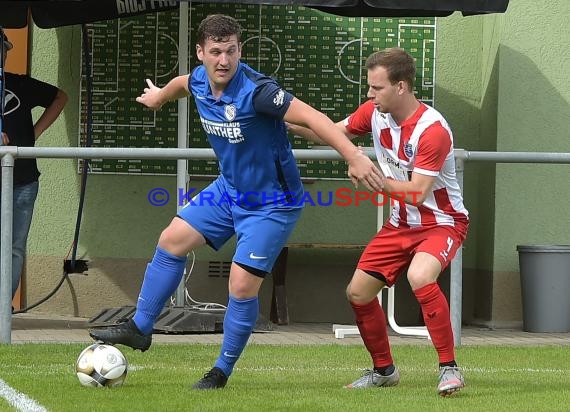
x=414, y=147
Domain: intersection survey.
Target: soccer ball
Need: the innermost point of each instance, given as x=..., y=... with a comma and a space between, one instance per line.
x=101, y=365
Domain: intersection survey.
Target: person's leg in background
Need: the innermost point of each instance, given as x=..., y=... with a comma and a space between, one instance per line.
x=24, y=200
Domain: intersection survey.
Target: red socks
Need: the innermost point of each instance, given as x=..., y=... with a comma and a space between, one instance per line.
x=435, y=311
x=371, y=323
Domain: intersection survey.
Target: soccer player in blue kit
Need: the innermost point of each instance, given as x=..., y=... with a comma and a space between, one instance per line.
x=256, y=197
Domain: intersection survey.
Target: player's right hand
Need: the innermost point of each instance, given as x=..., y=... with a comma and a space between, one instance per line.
x=362, y=170
x=5, y=139
x=151, y=96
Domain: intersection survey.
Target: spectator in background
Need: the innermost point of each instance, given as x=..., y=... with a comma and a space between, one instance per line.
x=22, y=94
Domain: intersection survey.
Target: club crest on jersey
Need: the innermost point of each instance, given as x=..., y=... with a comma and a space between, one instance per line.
x=230, y=112
x=408, y=150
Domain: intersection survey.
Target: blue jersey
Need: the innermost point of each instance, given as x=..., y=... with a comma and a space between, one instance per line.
x=245, y=128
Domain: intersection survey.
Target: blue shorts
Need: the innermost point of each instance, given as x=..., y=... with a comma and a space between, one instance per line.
x=261, y=232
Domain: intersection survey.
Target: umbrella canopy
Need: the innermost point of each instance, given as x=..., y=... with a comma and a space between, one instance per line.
x=56, y=13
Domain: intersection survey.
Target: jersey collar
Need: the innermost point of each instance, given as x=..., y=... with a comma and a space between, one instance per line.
x=413, y=119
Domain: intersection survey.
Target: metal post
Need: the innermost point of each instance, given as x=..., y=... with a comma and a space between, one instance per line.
x=6, y=248
x=2, y=82
x=456, y=276
x=182, y=164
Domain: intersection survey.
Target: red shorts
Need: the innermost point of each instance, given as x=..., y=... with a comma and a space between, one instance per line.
x=390, y=252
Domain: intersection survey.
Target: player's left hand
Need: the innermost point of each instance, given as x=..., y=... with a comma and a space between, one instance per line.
x=362, y=170
x=151, y=96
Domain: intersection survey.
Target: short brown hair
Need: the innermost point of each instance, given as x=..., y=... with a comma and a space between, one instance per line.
x=218, y=27
x=400, y=65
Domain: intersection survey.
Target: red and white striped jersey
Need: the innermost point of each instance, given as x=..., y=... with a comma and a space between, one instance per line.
x=421, y=144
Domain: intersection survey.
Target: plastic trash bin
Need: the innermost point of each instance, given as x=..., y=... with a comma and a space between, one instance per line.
x=545, y=287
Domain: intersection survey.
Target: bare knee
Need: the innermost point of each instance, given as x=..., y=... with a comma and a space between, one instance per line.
x=168, y=239
x=363, y=288
x=242, y=284
x=419, y=278
x=179, y=238
x=349, y=295
x=424, y=269
x=242, y=290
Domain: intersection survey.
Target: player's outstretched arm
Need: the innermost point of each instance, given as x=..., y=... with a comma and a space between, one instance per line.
x=154, y=97
x=312, y=136
x=361, y=168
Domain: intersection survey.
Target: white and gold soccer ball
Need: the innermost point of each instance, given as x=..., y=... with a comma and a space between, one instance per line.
x=101, y=366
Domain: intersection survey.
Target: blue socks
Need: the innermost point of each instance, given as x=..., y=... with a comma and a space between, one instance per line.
x=239, y=321
x=162, y=277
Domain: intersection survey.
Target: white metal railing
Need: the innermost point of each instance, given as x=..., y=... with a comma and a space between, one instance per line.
x=9, y=153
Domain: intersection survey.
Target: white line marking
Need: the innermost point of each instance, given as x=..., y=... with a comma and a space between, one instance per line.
x=18, y=400
x=468, y=369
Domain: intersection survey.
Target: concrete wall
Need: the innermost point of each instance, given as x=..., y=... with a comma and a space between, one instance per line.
x=533, y=116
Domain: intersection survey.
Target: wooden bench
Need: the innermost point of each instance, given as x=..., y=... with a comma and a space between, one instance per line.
x=279, y=310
